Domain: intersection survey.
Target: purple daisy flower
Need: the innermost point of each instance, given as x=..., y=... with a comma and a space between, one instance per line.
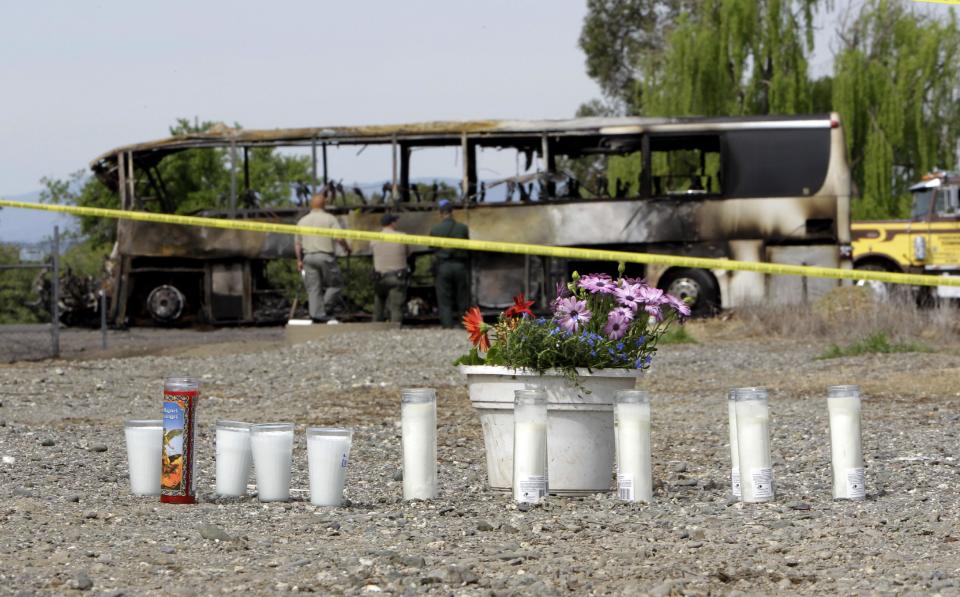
x=654, y=311
x=571, y=313
x=626, y=312
x=630, y=295
x=678, y=305
x=650, y=295
x=617, y=324
x=598, y=284
x=562, y=293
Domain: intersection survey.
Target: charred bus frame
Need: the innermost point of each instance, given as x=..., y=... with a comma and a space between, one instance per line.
x=771, y=189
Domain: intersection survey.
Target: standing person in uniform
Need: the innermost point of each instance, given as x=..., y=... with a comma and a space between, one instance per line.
x=391, y=273
x=317, y=260
x=452, y=269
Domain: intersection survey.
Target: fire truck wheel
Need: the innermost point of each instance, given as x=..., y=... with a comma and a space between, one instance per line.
x=697, y=287
x=165, y=303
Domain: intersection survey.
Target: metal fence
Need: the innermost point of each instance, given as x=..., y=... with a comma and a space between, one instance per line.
x=34, y=341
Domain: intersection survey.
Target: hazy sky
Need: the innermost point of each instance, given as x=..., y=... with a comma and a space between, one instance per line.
x=79, y=78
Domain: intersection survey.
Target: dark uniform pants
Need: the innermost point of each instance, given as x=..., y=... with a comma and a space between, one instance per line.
x=389, y=294
x=324, y=282
x=453, y=291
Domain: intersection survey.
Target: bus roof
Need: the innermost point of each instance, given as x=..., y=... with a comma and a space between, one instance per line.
x=491, y=132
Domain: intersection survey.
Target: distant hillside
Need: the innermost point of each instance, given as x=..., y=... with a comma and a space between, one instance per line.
x=27, y=226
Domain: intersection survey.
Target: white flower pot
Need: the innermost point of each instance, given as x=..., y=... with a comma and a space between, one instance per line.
x=580, y=441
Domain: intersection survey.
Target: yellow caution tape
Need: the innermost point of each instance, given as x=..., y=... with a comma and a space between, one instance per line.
x=501, y=247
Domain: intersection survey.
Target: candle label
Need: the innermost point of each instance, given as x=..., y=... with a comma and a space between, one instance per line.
x=856, y=488
x=344, y=460
x=625, y=488
x=177, y=479
x=532, y=489
x=735, y=482
x=762, y=482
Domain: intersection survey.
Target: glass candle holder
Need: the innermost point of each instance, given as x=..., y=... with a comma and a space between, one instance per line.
x=843, y=405
x=234, y=458
x=272, y=447
x=530, y=484
x=753, y=445
x=144, y=455
x=328, y=453
x=734, y=447
x=632, y=428
x=418, y=415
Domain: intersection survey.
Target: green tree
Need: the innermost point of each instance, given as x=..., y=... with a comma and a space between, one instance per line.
x=897, y=88
x=733, y=57
x=18, y=297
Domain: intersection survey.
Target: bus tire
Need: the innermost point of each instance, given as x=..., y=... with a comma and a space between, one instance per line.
x=696, y=286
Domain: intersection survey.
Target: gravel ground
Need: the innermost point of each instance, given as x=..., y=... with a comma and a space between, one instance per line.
x=70, y=525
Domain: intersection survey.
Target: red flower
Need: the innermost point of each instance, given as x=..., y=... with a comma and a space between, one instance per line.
x=473, y=321
x=520, y=306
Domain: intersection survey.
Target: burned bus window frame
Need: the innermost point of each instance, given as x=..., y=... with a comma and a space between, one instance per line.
x=709, y=143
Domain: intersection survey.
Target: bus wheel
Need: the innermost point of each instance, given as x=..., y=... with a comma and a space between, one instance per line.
x=165, y=303
x=696, y=287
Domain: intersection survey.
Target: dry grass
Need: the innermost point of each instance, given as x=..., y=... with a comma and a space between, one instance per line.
x=846, y=316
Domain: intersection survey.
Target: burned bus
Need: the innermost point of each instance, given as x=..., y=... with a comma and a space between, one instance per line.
x=766, y=189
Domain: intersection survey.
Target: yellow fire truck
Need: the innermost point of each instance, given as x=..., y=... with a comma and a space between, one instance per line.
x=929, y=242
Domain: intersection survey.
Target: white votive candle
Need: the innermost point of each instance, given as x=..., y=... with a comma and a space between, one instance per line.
x=843, y=404
x=418, y=415
x=753, y=445
x=530, y=484
x=272, y=446
x=734, y=448
x=632, y=426
x=328, y=452
x=234, y=458
x=144, y=455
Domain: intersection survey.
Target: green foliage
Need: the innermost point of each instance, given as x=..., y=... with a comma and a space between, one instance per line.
x=677, y=335
x=876, y=343
x=85, y=258
x=897, y=86
x=733, y=57
x=80, y=189
x=18, y=299
x=282, y=275
x=358, y=282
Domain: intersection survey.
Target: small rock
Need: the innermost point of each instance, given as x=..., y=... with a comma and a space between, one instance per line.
x=59, y=371
x=72, y=498
x=483, y=525
x=398, y=476
x=47, y=443
x=678, y=467
x=9, y=460
x=695, y=544
x=523, y=507
x=509, y=528
x=798, y=506
x=411, y=561
x=167, y=549
x=90, y=514
x=214, y=533
x=333, y=525
x=22, y=492
x=98, y=448
x=82, y=582
x=687, y=483
x=667, y=588
x=710, y=484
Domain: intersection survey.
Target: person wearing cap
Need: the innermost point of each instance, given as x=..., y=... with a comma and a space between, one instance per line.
x=317, y=260
x=451, y=268
x=391, y=274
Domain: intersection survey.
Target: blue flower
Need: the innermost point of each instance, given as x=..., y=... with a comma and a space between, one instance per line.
x=593, y=353
x=649, y=359
x=619, y=345
x=639, y=363
x=540, y=321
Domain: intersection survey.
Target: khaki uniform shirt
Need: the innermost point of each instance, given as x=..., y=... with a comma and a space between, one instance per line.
x=317, y=218
x=389, y=257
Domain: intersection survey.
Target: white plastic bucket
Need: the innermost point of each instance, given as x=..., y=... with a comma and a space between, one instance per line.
x=580, y=423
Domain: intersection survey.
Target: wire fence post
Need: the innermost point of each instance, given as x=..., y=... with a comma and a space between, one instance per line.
x=103, y=319
x=55, y=294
